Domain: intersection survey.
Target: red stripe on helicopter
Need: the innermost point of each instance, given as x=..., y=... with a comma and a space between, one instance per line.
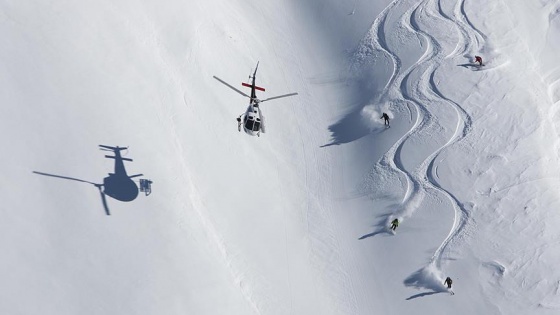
x=256, y=87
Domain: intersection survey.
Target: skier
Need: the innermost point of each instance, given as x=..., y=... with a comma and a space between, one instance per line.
x=448, y=281
x=239, y=123
x=394, y=224
x=386, y=117
x=478, y=59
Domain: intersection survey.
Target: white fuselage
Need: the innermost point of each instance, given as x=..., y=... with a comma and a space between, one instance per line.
x=253, y=121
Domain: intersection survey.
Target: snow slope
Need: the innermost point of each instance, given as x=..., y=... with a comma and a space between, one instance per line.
x=295, y=221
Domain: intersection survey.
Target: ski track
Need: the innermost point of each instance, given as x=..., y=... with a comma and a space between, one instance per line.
x=416, y=85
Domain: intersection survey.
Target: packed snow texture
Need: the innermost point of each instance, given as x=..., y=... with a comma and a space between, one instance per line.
x=295, y=221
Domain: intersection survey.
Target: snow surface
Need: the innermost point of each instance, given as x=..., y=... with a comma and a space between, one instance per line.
x=295, y=221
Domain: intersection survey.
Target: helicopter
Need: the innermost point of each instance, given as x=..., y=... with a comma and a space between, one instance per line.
x=118, y=185
x=253, y=119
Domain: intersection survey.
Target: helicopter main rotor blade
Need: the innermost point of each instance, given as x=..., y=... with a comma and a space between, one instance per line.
x=231, y=87
x=280, y=96
x=103, y=200
x=65, y=177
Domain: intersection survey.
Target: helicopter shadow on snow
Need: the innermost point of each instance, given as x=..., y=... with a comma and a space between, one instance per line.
x=98, y=186
x=118, y=185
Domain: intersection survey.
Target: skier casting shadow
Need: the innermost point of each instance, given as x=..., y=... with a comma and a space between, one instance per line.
x=386, y=122
x=448, y=282
x=394, y=224
x=373, y=234
x=479, y=60
x=424, y=278
x=474, y=65
x=422, y=295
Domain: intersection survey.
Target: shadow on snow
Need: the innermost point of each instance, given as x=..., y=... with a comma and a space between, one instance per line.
x=118, y=185
x=422, y=295
x=429, y=278
x=348, y=129
x=381, y=227
x=103, y=199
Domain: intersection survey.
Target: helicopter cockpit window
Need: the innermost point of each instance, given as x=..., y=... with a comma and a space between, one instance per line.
x=252, y=125
x=249, y=123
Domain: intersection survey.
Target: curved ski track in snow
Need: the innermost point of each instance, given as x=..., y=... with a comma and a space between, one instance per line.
x=417, y=86
x=464, y=121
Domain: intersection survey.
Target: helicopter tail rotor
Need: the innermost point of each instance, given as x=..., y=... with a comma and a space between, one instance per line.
x=109, y=148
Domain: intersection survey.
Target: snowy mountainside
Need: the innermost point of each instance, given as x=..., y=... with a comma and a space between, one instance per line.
x=294, y=221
